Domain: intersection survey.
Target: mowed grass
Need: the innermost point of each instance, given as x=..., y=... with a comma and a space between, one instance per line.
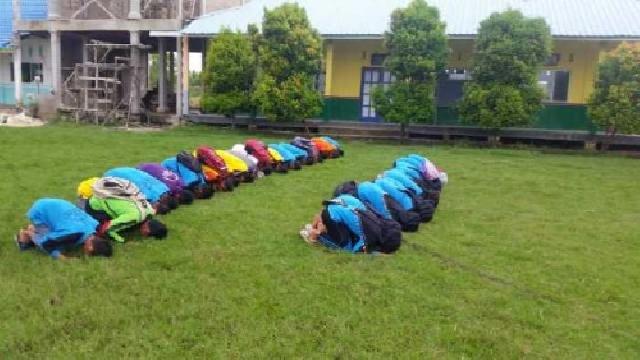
x=530, y=255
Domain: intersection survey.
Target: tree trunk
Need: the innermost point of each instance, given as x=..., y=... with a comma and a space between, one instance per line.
x=608, y=139
x=403, y=133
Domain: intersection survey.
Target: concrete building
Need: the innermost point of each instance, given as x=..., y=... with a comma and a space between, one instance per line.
x=354, y=49
x=91, y=57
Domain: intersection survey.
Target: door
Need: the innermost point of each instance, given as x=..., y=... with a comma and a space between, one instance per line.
x=372, y=77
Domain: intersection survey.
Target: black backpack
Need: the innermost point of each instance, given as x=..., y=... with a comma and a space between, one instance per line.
x=424, y=208
x=189, y=161
x=383, y=235
x=409, y=220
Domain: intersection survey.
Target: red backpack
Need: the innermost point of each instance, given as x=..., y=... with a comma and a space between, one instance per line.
x=208, y=156
x=257, y=149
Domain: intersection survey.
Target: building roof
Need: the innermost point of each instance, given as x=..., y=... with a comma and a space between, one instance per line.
x=6, y=23
x=599, y=19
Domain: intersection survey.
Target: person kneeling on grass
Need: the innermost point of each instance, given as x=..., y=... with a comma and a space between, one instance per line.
x=380, y=202
x=190, y=170
x=346, y=224
x=118, y=205
x=408, y=200
x=287, y=156
x=177, y=187
x=236, y=166
x=57, y=226
x=154, y=190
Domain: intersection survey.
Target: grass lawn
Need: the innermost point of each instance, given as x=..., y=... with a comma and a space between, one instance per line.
x=530, y=255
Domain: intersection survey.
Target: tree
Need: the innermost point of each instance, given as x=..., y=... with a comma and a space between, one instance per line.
x=509, y=53
x=229, y=74
x=289, y=56
x=615, y=102
x=418, y=52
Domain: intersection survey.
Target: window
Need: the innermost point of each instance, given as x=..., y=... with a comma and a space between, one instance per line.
x=40, y=51
x=372, y=77
x=555, y=84
x=450, y=86
x=553, y=60
x=29, y=72
x=319, y=82
x=378, y=59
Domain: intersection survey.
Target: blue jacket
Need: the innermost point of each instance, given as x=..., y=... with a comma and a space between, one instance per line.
x=397, y=191
x=373, y=194
x=344, y=212
x=55, y=219
x=287, y=155
x=152, y=188
x=409, y=169
x=295, y=150
x=401, y=177
x=188, y=176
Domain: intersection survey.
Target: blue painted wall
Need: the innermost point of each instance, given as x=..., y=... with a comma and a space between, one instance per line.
x=34, y=10
x=6, y=22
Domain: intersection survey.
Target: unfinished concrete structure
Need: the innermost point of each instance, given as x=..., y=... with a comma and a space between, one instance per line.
x=93, y=55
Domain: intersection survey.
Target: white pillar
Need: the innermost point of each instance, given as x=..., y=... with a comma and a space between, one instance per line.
x=56, y=70
x=17, y=12
x=85, y=60
x=134, y=10
x=178, y=61
x=134, y=88
x=17, y=68
x=185, y=74
x=54, y=9
x=162, y=76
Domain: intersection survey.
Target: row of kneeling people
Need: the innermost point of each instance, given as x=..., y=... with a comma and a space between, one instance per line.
x=128, y=198
x=370, y=216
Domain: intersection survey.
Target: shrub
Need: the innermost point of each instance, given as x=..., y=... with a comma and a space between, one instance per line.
x=229, y=74
x=290, y=55
x=510, y=51
x=615, y=102
x=417, y=54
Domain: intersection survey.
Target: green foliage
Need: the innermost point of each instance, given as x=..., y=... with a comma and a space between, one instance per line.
x=406, y=101
x=229, y=74
x=499, y=105
x=509, y=52
x=290, y=55
x=417, y=54
x=288, y=100
x=615, y=102
x=289, y=44
x=501, y=273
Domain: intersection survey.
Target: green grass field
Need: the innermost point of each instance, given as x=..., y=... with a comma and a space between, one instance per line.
x=530, y=255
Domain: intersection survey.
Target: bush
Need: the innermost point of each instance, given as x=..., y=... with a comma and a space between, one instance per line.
x=290, y=100
x=417, y=54
x=615, y=102
x=290, y=55
x=229, y=74
x=510, y=51
x=406, y=102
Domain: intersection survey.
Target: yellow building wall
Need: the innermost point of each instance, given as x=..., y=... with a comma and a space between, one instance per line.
x=344, y=60
x=345, y=68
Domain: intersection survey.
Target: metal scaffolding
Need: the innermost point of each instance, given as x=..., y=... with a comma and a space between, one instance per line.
x=106, y=88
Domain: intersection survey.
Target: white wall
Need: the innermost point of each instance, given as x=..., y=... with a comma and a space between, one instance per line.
x=5, y=67
x=31, y=49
